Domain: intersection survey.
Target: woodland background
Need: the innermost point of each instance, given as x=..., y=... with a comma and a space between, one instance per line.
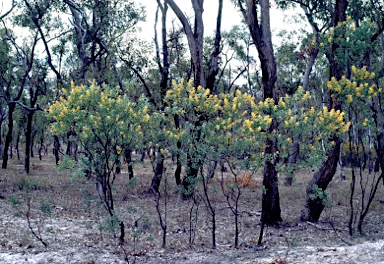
x=218, y=134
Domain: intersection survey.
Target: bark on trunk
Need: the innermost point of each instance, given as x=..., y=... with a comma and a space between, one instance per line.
x=128, y=158
x=271, y=212
x=155, y=185
x=194, y=37
x=260, y=30
x=214, y=61
x=56, y=149
x=163, y=64
x=324, y=175
x=8, y=138
x=28, y=137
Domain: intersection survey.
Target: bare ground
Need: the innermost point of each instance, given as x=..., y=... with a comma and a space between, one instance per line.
x=75, y=229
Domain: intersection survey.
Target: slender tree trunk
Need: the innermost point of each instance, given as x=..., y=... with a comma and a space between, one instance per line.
x=8, y=138
x=155, y=185
x=260, y=30
x=56, y=149
x=1, y=135
x=33, y=136
x=178, y=165
x=17, y=146
x=41, y=147
x=214, y=62
x=128, y=158
x=28, y=137
x=163, y=65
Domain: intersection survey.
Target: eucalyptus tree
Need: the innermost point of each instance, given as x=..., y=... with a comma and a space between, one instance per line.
x=102, y=31
x=6, y=60
x=256, y=15
x=163, y=67
x=236, y=61
x=16, y=80
x=195, y=37
x=327, y=20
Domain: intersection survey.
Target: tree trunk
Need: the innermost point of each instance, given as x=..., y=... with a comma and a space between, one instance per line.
x=1, y=137
x=17, y=146
x=178, y=165
x=271, y=212
x=324, y=175
x=195, y=37
x=155, y=185
x=214, y=61
x=128, y=158
x=260, y=30
x=163, y=65
x=56, y=149
x=28, y=137
x=8, y=138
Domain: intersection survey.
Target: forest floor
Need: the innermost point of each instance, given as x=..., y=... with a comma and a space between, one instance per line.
x=68, y=217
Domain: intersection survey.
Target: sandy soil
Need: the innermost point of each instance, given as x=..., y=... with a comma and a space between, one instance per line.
x=73, y=234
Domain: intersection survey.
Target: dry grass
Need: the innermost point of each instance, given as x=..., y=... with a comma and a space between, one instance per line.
x=78, y=201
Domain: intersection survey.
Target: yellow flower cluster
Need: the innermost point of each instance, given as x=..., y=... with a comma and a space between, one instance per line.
x=360, y=86
x=100, y=113
x=332, y=121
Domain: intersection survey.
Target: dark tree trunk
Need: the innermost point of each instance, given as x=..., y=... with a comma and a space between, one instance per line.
x=324, y=175
x=56, y=149
x=260, y=30
x=214, y=62
x=28, y=137
x=178, y=162
x=41, y=147
x=8, y=138
x=17, y=146
x=1, y=137
x=163, y=65
x=271, y=212
x=195, y=38
x=321, y=179
x=128, y=158
x=159, y=169
x=178, y=165
x=33, y=136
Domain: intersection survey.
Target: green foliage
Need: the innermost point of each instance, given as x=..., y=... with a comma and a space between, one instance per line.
x=14, y=201
x=227, y=126
x=105, y=123
x=27, y=184
x=323, y=195
x=45, y=207
x=110, y=224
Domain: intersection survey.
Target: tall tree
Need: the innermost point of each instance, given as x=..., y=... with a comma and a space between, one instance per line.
x=258, y=21
x=323, y=176
x=163, y=65
x=195, y=37
x=101, y=29
x=13, y=90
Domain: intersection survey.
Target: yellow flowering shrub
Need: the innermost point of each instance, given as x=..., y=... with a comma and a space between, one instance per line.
x=104, y=122
x=224, y=126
